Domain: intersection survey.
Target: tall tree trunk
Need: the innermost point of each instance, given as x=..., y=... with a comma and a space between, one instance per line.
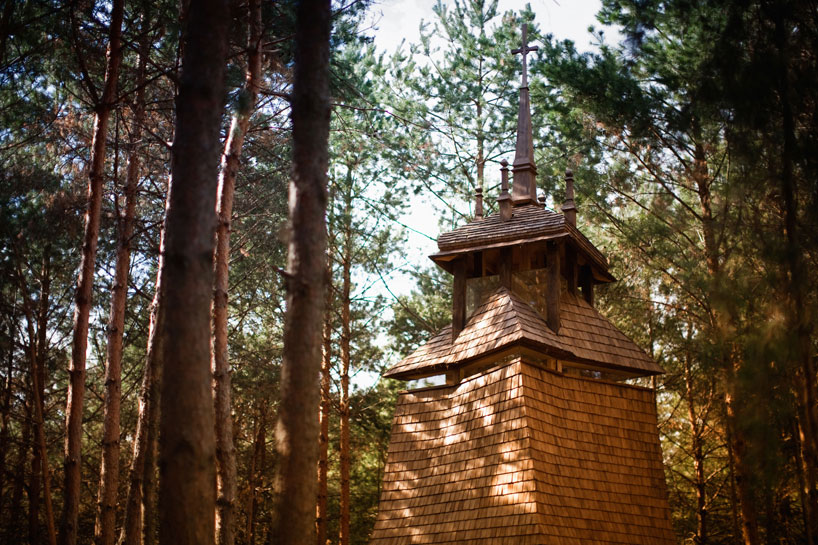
x=731, y=356
x=76, y=385
x=225, y=449
x=6, y=417
x=37, y=361
x=187, y=494
x=346, y=332
x=297, y=429
x=105, y=526
x=698, y=452
x=20, y=472
x=323, y=439
x=256, y=473
x=132, y=521
x=800, y=323
x=138, y=524
x=803, y=488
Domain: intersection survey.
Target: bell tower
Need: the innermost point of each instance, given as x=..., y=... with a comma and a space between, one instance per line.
x=536, y=436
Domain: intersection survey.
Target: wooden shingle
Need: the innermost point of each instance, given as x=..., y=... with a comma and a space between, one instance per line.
x=504, y=319
x=521, y=454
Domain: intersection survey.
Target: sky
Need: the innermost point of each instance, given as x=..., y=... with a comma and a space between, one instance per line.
x=395, y=20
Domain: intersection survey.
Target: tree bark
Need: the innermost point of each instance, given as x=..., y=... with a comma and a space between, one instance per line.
x=799, y=321
x=225, y=449
x=187, y=494
x=256, y=473
x=697, y=451
x=346, y=332
x=297, y=429
x=132, y=521
x=730, y=356
x=76, y=385
x=20, y=472
x=36, y=357
x=4, y=424
x=323, y=439
x=105, y=525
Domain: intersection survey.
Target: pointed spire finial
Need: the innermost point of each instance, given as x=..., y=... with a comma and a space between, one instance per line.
x=525, y=50
x=525, y=172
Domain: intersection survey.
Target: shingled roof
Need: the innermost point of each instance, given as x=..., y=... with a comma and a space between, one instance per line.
x=524, y=455
x=528, y=223
x=504, y=319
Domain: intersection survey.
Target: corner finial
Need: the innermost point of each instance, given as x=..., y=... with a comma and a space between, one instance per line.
x=504, y=200
x=569, y=210
x=478, y=205
x=525, y=171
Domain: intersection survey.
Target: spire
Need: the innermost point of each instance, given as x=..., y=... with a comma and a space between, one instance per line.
x=524, y=190
x=569, y=210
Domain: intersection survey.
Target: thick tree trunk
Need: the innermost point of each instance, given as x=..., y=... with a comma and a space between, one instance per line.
x=297, y=429
x=323, y=439
x=76, y=385
x=187, y=447
x=105, y=526
x=225, y=449
x=346, y=333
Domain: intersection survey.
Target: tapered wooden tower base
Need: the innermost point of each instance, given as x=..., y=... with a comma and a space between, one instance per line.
x=525, y=455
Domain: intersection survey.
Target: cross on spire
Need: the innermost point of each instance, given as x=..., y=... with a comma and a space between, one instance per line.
x=525, y=50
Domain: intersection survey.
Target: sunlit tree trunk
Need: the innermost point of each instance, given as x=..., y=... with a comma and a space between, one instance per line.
x=76, y=385
x=187, y=446
x=225, y=449
x=105, y=525
x=297, y=429
x=132, y=522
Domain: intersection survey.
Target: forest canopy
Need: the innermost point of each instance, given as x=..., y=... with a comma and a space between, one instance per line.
x=692, y=136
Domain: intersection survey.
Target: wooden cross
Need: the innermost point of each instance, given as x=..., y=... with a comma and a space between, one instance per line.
x=525, y=50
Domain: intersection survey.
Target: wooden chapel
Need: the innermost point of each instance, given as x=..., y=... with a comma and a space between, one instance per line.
x=535, y=438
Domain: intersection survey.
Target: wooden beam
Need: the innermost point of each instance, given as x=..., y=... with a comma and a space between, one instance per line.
x=459, y=297
x=571, y=266
x=552, y=293
x=586, y=282
x=506, y=264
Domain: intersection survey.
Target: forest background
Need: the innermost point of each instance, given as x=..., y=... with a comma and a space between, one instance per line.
x=692, y=138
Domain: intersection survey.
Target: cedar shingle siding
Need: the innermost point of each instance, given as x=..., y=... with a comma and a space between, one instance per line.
x=524, y=455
